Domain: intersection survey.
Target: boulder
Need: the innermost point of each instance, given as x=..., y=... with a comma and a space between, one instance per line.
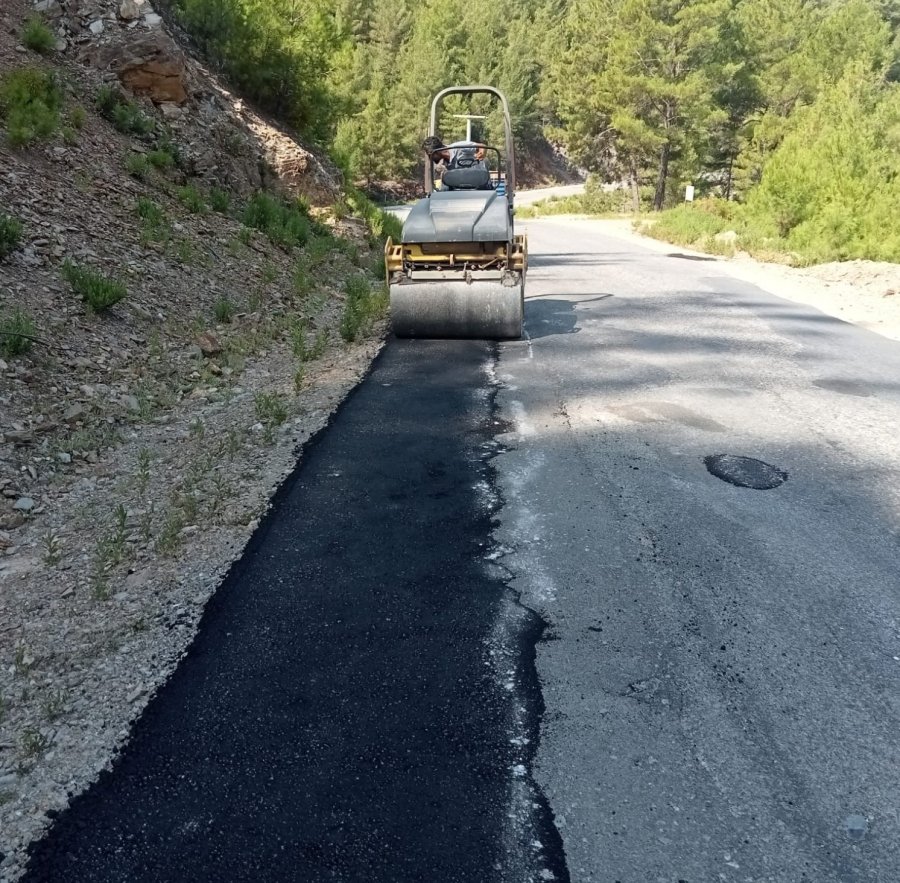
x=130, y=10
x=148, y=64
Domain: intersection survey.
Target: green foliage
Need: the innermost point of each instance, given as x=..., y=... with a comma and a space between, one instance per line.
x=155, y=226
x=192, y=199
x=138, y=166
x=220, y=200
x=37, y=36
x=286, y=224
x=123, y=113
x=274, y=51
x=690, y=224
x=161, y=159
x=362, y=307
x=16, y=331
x=30, y=102
x=381, y=224
x=224, y=310
x=77, y=117
x=99, y=292
x=10, y=234
x=832, y=188
x=271, y=409
x=149, y=211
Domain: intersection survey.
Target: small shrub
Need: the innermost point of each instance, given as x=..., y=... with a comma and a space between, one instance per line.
x=318, y=250
x=304, y=281
x=161, y=159
x=125, y=115
x=98, y=291
x=192, y=199
x=298, y=331
x=223, y=310
x=128, y=118
x=30, y=100
x=317, y=350
x=37, y=36
x=271, y=411
x=107, y=100
x=16, y=332
x=688, y=224
x=34, y=743
x=155, y=227
x=10, y=234
x=150, y=212
x=361, y=307
x=138, y=166
x=220, y=200
x=77, y=117
x=286, y=224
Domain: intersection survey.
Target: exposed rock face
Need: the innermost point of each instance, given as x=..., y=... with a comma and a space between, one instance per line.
x=299, y=171
x=221, y=139
x=148, y=64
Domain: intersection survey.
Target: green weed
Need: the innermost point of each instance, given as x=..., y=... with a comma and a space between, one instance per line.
x=10, y=234
x=33, y=744
x=192, y=199
x=52, y=548
x=220, y=200
x=145, y=458
x=16, y=332
x=271, y=409
x=77, y=117
x=138, y=166
x=224, y=310
x=150, y=212
x=161, y=159
x=30, y=101
x=361, y=307
x=99, y=292
x=37, y=37
x=286, y=224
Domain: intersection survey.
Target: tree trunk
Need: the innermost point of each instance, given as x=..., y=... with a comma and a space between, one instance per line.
x=635, y=189
x=659, y=197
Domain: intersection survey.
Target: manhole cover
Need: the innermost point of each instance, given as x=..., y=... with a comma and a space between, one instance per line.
x=745, y=472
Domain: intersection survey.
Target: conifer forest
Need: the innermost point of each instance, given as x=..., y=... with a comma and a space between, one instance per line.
x=783, y=114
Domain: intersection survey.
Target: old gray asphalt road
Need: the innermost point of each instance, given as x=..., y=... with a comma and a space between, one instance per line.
x=722, y=666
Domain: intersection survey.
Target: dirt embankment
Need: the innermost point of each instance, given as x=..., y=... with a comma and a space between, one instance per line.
x=139, y=444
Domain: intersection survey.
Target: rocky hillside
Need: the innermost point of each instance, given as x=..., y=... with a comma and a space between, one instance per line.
x=173, y=324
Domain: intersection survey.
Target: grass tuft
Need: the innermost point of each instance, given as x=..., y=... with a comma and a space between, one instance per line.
x=37, y=37
x=10, y=234
x=220, y=200
x=224, y=310
x=16, y=332
x=286, y=224
x=99, y=292
x=30, y=101
x=192, y=199
x=361, y=307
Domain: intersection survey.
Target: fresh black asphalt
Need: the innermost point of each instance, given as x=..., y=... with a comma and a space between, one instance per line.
x=335, y=717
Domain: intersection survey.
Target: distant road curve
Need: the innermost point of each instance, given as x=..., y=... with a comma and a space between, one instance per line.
x=523, y=197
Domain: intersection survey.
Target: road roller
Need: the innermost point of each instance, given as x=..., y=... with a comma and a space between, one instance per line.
x=459, y=268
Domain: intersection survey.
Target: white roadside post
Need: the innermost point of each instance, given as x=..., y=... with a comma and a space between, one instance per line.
x=689, y=193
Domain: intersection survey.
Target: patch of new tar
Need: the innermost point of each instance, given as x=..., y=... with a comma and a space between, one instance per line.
x=345, y=712
x=745, y=472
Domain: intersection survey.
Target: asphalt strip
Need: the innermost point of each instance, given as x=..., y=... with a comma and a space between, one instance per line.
x=361, y=701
